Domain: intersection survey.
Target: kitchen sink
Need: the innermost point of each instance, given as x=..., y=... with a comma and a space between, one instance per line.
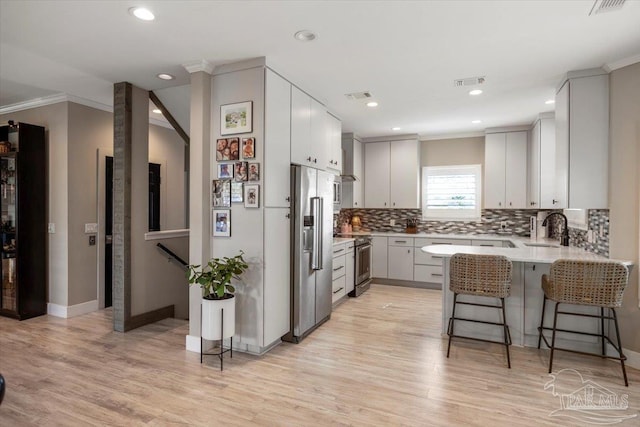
x=541, y=245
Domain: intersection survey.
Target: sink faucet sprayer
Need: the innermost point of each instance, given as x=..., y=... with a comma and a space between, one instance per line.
x=564, y=239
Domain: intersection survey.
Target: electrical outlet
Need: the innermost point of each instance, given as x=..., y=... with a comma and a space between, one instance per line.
x=590, y=236
x=503, y=225
x=92, y=240
x=601, y=230
x=392, y=222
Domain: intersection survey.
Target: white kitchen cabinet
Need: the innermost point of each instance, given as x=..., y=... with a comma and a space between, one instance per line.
x=352, y=196
x=339, y=286
x=582, y=141
x=334, y=144
x=400, y=261
x=379, y=257
x=505, y=170
x=392, y=174
x=277, y=138
x=308, y=130
x=428, y=268
x=542, y=164
x=277, y=263
x=350, y=266
x=358, y=194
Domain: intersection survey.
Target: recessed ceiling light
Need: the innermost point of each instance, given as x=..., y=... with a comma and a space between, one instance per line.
x=157, y=111
x=550, y=101
x=396, y=128
x=165, y=76
x=475, y=92
x=304, y=36
x=372, y=104
x=142, y=13
x=475, y=122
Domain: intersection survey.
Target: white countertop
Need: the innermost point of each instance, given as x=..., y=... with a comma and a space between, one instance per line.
x=436, y=235
x=338, y=240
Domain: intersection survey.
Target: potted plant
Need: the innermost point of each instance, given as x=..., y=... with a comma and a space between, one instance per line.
x=217, y=293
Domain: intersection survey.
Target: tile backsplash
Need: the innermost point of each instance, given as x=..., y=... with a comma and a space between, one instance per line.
x=517, y=223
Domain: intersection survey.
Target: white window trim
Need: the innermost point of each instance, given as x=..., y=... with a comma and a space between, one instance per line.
x=474, y=215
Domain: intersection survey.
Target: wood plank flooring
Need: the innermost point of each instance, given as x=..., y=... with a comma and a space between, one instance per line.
x=379, y=361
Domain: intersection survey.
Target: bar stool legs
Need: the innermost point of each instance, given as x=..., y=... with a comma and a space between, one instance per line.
x=505, y=331
x=619, y=348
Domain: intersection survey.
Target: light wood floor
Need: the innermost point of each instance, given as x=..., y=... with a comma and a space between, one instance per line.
x=380, y=360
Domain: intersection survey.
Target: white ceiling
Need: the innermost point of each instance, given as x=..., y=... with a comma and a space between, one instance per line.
x=406, y=53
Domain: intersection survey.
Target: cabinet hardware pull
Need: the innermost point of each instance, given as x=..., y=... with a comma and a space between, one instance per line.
x=438, y=243
x=335, y=292
x=288, y=215
x=309, y=159
x=355, y=203
x=408, y=251
x=400, y=241
x=436, y=257
x=554, y=201
x=436, y=274
x=315, y=160
x=487, y=245
x=339, y=250
x=534, y=267
x=288, y=199
x=510, y=204
x=499, y=203
x=338, y=268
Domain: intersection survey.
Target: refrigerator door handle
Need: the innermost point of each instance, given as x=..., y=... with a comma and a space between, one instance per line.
x=316, y=252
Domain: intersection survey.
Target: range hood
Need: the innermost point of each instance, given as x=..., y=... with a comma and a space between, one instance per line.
x=347, y=158
x=349, y=178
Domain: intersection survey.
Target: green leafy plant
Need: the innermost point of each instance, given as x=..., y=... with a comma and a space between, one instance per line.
x=215, y=277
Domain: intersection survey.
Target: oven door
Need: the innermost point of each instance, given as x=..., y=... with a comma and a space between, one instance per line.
x=363, y=263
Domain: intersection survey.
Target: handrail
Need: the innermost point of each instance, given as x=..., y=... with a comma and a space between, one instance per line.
x=172, y=254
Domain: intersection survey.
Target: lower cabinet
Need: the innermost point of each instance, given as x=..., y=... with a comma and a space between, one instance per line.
x=428, y=268
x=400, y=253
x=350, y=266
x=379, y=257
x=339, y=272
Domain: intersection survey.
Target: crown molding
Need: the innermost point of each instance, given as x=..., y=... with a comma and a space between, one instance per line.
x=452, y=136
x=621, y=63
x=197, y=66
x=54, y=99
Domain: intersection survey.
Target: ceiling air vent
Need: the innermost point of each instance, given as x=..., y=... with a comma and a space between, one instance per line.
x=469, y=81
x=356, y=96
x=600, y=6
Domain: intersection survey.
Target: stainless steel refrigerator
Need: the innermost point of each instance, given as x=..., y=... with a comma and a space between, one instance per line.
x=311, y=243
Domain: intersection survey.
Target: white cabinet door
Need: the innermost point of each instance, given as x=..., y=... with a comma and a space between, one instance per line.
x=376, y=175
x=300, y=127
x=334, y=144
x=350, y=265
x=534, y=167
x=560, y=198
x=277, y=141
x=400, y=262
x=404, y=175
x=358, y=199
x=516, y=170
x=379, y=257
x=276, y=274
x=547, y=162
x=494, y=170
x=318, y=128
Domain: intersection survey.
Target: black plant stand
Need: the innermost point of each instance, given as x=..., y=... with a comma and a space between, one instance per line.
x=222, y=349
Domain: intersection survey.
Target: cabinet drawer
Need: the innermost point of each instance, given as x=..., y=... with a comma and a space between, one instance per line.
x=493, y=243
x=338, y=289
x=349, y=246
x=425, y=241
x=339, y=264
x=400, y=241
x=424, y=258
x=338, y=249
x=428, y=273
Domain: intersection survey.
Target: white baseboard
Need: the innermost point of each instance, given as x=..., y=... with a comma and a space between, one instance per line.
x=633, y=357
x=72, y=310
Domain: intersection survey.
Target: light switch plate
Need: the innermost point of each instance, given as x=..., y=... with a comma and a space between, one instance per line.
x=91, y=228
x=51, y=228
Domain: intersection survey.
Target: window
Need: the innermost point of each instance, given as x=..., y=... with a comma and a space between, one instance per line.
x=451, y=192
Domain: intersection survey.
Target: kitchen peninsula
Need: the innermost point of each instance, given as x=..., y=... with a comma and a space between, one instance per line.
x=530, y=261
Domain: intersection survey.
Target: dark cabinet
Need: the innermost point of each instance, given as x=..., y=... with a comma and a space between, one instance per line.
x=23, y=226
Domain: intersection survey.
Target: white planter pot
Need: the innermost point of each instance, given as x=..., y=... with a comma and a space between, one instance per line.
x=211, y=318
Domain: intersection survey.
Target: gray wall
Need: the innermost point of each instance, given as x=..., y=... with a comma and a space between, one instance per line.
x=455, y=151
x=624, y=189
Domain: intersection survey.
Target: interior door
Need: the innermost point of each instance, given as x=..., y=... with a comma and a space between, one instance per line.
x=108, y=247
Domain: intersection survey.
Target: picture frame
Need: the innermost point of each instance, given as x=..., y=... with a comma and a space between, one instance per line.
x=251, y=195
x=249, y=148
x=237, y=192
x=221, y=193
x=225, y=171
x=254, y=172
x=221, y=222
x=236, y=118
x=241, y=170
x=227, y=149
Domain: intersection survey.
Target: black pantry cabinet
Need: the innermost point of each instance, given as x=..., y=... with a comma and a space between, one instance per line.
x=23, y=226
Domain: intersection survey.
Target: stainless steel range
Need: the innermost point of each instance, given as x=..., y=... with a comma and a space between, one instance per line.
x=362, y=265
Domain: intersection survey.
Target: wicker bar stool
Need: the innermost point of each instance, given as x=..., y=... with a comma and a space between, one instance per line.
x=591, y=283
x=480, y=275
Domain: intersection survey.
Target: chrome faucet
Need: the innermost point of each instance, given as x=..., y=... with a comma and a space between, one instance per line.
x=564, y=239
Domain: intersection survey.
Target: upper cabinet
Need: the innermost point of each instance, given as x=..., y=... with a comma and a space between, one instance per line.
x=542, y=163
x=334, y=144
x=277, y=140
x=582, y=141
x=392, y=174
x=352, y=190
x=505, y=170
x=308, y=130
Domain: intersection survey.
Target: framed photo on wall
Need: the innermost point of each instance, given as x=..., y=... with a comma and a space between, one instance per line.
x=221, y=225
x=251, y=195
x=236, y=118
x=225, y=170
x=249, y=148
x=237, y=192
x=240, y=173
x=221, y=193
x=254, y=171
